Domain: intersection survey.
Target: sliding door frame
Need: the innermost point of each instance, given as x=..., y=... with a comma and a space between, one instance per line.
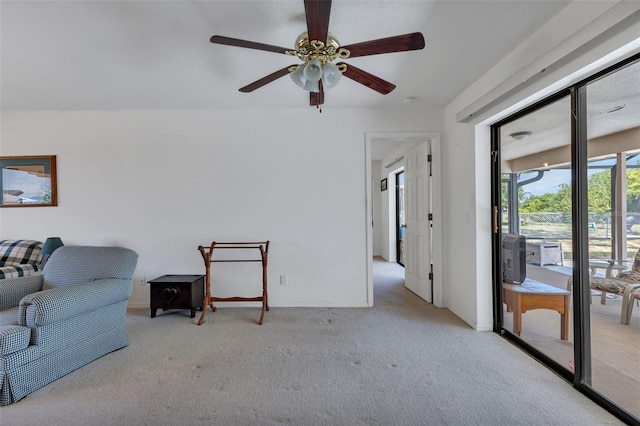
x=581, y=378
x=496, y=202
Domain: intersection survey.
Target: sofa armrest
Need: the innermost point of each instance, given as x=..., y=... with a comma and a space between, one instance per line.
x=17, y=270
x=13, y=338
x=56, y=304
x=14, y=289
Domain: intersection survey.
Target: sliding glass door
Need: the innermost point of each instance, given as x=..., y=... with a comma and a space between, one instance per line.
x=567, y=234
x=613, y=182
x=535, y=171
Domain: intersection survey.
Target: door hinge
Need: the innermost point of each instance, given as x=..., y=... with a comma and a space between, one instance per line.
x=430, y=216
x=429, y=158
x=431, y=276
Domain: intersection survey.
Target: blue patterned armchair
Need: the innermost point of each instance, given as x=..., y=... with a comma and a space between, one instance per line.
x=70, y=315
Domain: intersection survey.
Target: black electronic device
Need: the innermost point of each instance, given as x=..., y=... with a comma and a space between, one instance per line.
x=514, y=258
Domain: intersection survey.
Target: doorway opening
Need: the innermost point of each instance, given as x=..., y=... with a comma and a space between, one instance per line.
x=382, y=227
x=400, y=218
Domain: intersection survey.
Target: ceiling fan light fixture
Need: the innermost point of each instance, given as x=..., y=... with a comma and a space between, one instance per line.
x=298, y=77
x=313, y=71
x=312, y=86
x=330, y=75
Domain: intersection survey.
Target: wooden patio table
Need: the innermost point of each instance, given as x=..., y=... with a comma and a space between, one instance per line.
x=532, y=294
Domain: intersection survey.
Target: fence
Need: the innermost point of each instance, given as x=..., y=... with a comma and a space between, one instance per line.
x=557, y=227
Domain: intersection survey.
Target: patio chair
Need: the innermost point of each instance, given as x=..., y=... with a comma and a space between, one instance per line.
x=622, y=284
x=629, y=291
x=632, y=274
x=631, y=295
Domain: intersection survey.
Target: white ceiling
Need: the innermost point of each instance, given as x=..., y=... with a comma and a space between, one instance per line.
x=83, y=55
x=157, y=55
x=613, y=105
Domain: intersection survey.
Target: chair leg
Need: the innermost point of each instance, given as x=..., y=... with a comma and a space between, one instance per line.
x=627, y=304
x=624, y=315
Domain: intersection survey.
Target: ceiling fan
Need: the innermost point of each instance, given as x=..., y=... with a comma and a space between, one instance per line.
x=317, y=49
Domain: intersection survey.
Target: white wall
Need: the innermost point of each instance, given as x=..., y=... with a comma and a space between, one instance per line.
x=164, y=182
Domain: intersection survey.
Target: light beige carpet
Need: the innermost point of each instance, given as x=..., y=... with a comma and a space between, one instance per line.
x=402, y=362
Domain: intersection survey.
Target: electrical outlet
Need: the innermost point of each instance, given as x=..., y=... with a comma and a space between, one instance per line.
x=283, y=280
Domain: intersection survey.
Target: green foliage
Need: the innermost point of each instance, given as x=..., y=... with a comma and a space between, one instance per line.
x=559, y=201
x=599, y=186
x=633, y=190
x=600, y=192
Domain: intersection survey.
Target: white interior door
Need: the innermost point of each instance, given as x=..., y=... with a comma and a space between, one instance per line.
x=418, y=231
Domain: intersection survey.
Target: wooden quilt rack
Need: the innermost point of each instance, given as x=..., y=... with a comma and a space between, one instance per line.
x=207, y=256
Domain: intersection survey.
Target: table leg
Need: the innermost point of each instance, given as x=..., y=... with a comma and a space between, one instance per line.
x=517, y=314
x=564, y=320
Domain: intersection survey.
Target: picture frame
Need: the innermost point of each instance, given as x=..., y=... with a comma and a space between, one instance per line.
x=28, y=181
x=383, y=184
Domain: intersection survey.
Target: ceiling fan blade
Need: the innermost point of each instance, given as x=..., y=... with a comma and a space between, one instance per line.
x=400, y=43
x=317, y=99
x=369, y=80
x=218, y=39
x=265, y=80
x=317, y=13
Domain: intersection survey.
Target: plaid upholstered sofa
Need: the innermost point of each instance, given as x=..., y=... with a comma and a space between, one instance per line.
x=71, y=314
x=19, y=258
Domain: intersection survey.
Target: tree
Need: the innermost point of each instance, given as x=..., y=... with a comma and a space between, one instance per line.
x=633, y=190
x=599, y=186
x=559, y=201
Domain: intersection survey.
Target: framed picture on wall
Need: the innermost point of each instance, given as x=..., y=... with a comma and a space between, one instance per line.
x=28, y=181
x=383, y=184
